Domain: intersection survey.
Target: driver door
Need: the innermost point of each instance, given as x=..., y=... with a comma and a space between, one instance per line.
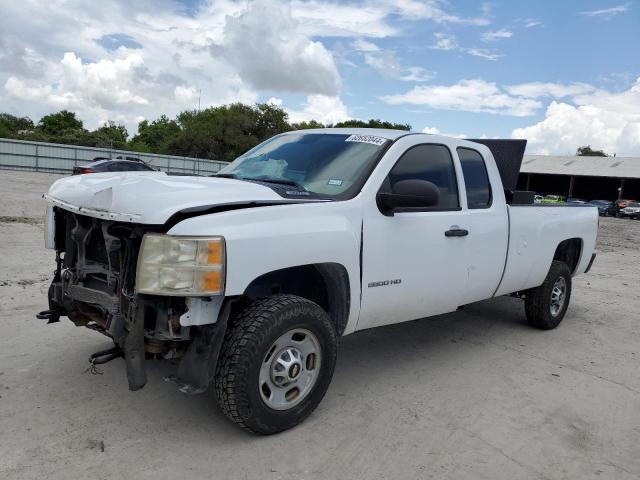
x=412, y=268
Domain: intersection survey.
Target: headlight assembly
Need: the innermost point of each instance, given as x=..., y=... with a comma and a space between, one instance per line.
x=182, y=266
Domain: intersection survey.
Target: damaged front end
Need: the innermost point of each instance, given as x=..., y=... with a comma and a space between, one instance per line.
x=95, y=286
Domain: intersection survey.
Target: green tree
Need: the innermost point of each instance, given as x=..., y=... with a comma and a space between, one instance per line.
x=12, y=126
x=272, y=120
x=225, y=132
x=110, y=135
x=61, y=124
x=155, y=136
x=307, y=125
x=115, y=131
x=219, y=133
x=589, y=152
x=372, y=123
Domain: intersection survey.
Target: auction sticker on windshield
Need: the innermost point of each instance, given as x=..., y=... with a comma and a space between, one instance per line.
x=372, y=139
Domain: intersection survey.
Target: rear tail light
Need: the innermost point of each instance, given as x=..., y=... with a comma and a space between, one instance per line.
x=87, y=170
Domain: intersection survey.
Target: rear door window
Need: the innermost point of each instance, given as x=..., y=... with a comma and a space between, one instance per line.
x=476, y=179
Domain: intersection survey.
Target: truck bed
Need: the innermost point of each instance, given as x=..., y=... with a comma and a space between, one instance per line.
x=534, y=233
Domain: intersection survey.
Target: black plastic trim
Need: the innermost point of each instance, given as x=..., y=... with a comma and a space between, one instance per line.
x=484, y=162
x=433, y=209
x=593, y=257
x=225, y=207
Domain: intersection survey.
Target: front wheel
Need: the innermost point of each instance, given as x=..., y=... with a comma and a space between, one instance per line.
x=547, y=304
x=276, y=363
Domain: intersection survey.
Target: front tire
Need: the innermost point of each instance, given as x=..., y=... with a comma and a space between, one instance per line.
x=276, y=363
x=546, y=305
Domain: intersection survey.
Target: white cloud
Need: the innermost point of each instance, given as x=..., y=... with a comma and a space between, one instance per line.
x=547, y=89
x=365, y=46
x=467, y=95
x=371, y=18
x=607, y=13
x=323, y=108
x=531, y=22
x=329, y=19
x=386, y=63
x=416, y=74
x=436, y=131
x=602, y=119
x=482, y=53
x=187, y=97
x=493, y=35
x=21, y=89
x=435, y=10
x=445, y=41
x=223, y=50
x=110, y=83
x=267, y=48
x=171, y=62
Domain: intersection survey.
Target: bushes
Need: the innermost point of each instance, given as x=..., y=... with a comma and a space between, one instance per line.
x=218, y=133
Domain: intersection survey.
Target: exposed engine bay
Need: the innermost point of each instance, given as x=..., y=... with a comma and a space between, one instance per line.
x=94, y=285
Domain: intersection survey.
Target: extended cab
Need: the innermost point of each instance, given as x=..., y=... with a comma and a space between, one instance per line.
x=250, y=276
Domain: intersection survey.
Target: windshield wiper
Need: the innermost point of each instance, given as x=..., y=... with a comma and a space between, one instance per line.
x=263, y=178
x=280, y=180
x=225, y=175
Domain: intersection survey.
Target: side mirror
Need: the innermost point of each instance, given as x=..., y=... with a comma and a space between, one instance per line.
x=408, y=194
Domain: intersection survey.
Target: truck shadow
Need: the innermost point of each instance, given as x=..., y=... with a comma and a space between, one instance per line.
x=443, y=338
x=369, y=358
x=366, y=360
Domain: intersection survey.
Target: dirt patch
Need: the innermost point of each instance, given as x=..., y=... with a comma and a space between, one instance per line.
x=617, y=234
x=27, y=220
x=22, y=283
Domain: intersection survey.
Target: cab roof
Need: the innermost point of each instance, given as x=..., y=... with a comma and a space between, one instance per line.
x=387, y=133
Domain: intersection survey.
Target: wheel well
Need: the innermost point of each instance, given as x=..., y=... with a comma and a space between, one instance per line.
x=568, y=251
x=326, y=284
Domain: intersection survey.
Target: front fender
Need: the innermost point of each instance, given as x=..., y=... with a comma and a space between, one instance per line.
x=265, y=239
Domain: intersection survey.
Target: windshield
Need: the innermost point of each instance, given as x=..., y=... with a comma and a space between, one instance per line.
x=323, y=164
x=634, y=204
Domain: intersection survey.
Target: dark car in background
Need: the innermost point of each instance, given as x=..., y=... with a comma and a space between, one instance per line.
x=606, y=208
x=118, y=164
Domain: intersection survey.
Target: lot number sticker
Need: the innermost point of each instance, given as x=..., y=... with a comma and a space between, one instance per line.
x=372, y=139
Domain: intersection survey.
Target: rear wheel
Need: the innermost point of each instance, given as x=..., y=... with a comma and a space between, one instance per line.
x=546, y=305
x=276, y=363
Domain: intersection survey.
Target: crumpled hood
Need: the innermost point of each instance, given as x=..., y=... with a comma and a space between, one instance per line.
x=150, y=197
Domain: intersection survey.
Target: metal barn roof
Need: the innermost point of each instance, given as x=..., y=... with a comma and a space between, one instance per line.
x=620, y=167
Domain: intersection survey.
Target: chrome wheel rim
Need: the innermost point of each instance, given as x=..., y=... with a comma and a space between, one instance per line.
x=558, y=296
x=290, y=369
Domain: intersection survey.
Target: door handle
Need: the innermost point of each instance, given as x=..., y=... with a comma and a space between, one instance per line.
x=456, y=232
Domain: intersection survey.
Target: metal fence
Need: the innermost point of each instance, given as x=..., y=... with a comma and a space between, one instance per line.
x=58, y=158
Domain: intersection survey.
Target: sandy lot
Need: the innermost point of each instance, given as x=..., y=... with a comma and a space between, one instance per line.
x=475, y=394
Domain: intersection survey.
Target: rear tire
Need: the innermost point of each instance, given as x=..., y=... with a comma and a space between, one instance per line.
x=546, y=305
x=276, y=363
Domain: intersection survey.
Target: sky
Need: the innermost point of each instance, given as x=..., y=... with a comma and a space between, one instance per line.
x=560, y=73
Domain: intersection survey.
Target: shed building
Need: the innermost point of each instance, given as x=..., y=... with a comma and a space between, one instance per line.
x=607, y=178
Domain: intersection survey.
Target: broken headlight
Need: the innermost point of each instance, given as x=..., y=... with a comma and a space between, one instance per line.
x=183, y=266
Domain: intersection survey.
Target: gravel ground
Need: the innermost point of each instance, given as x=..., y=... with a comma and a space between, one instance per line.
x=475, y=394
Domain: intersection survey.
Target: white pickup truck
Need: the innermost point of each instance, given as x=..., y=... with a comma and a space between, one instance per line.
x=250, y=276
